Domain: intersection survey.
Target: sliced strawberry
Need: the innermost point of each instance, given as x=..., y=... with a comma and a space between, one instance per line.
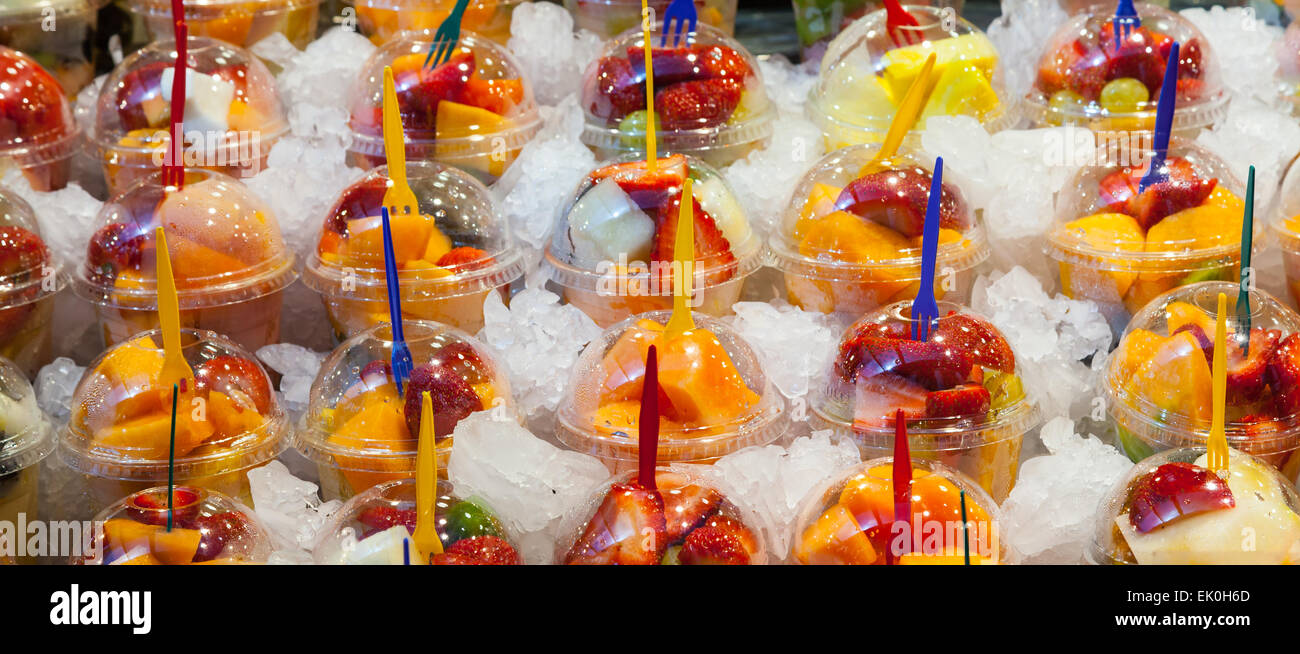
x=898, y=198
x=671, y=66
x=218, y=531
x=449, y=558
x=1134, y=55
x=1261, y=439
x=136, y=88
x=461, y=358
x=929, y=363
x=959, y=401
x=465, y=258
x=1283, y=376
x=877, y=400
x=1053, y=69
x=635, y=179
x=1246, y=374
x=628, y=529
x=419, y=91
x=1182, y=189
x=721, y=541
x=686, y=506
x=719, y=61
x=712, y=249
x=980, y=341
x=488, y=549
x=360, y=200
x=616, y=90
x=236, y=377
x=451, y=395
x=1173, y=491
x=698, y=104
x=1189, y=60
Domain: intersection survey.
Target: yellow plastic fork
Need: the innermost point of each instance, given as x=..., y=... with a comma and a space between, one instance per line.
x=425, y=537
x=651, y=143
x=398, y=198
x=904, y=119
x=175, y=368
x=1216, y=451
x=684, y=261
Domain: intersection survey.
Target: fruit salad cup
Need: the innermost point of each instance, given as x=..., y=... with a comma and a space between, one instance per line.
x=1158, y=388
x=850, y=242
x=684, y=520
x=381, y=20
x=609, y=18
x=375, y=528
x=227, y=423
x=709, y=98
x=1121, y=249
x=818, y=21
x=1171, y=509
x=232, y=113
x=24, y=441
x=37, y=134
x=1285, y=227
x=1288, y=66
x=65, y=51
x=208, y=528
x=864, y=77
x=715, y=398
x=612, y=252
x=450, y=255
x=29, y=280
x=361, y=432
x=849, y=519
x=1089, y=77
x=475, y=112
x=960, y=392
x=238, y=22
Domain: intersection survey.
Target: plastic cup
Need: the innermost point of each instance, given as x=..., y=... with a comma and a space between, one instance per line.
x=64, y=51
x=238, y=22
x=609, y=18
x=709, y=98
x=610, y=257
x=451, y=255
x=850, y=241
x=686, y=520
x=864, y=77
x=208, y=528
x=719, y=399
x=1288, y=66
x=1083, y=63
x=24, y=442
x=361, y=432
x=1285, y=228
x=475, y=112
x=1136, y=526
x=1158, y=388
x=381, y=20
x=849, y=518
x=1121, y=250
x=818, y=21
x=960, y=392
x=375, y=528
x=229, y=260
x=233, y=116
x=30, y=280
x=38, y=135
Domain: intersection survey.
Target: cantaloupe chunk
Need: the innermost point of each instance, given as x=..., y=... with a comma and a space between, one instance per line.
x=835, y=539
x=410, y=237
x=455, y=120
x=229, y=419
x=134, y=364
x=380, y=426
x=1176, y=378
x=175, y=547
x=149, y=436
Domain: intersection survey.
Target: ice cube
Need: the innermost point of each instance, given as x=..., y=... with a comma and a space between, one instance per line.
x=55, y=384
x=288, y=506
x=1019, y=34
x=552, y=55
x=795, y=346
x=297, y=366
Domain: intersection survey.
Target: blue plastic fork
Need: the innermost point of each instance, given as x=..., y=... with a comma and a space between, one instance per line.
x=1243, y=295
x=925, y=311
x=680, y=14
x=447, y=36
x=1126, y=20
x=1157, y=173
x=402, y=365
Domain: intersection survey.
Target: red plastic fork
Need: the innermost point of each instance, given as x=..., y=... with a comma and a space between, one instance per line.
x=173, y=173
x=902, y=27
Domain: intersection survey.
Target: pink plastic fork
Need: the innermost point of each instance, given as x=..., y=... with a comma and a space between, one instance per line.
x=903, y=28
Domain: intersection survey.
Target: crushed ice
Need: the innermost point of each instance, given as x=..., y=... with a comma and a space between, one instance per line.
x=289, y=508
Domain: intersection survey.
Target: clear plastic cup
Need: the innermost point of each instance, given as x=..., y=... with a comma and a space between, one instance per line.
x=38, y=134
x=1089, y=77
x=29, y=280
x=381, y=20
x=208, y=528
x=1158, y=388
x=361, y=432
x=233, y=116
x=611, y=253
x=238, y=22
x=229, y=261
x=960, y=392
x=850, y=241
x=230, y=422
x=715, y=397
x=609, y=18
x=375, y=528
x=1285, y=227
x=450, y=255
x=24, y=441
x=1288, y=66
x=685, y=520
x=818, y=21
x=67, y=50
x=864, y=77
x=848, y=520
x=474, y=112
x=1170, y=509
x=709, y=98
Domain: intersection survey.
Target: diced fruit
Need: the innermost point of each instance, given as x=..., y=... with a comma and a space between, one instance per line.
x=720, y=541
x=1246, y=373
x=719, y=61
x=619, y=90
x=219, y=531
x=898, y=200
x=452, y=397
x=627, y=529
x=490, y=550
x=633, y=177
x=963, y=400
x=877, y=400
x=717, y=200
x=698, y=104
x=686, y=506
x=978, y=340
x=465, y=258
x=1112, y=232
x=360, y=200
x=465, y=519
x=1004, y=389
x=1182, y=189
x=605, y=224
x=928, y=363
x=1175, y=378
x=1283, y=376
x=902, y=65
x=496, y=95
x=712, y=250
x=963, y=89
x=236, y=377
x=835, y=539
x=633, y=128
x=847, y=237
x=1173, y=491
x=1124, y=95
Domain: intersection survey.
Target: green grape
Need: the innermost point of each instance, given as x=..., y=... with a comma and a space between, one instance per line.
x=1124, y=95
x=633, y=128
x=1064, y=101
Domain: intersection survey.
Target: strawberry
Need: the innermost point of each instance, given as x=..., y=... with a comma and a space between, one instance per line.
x=1283, y=376
x=489, y=550
x=978, y=340
x=420, y=91
x=137, y=87
x=1135, y=55
x=376, y=374
x=671, y=66
x=877, y=400
x=930, y=364
x=898, y=198
x=379, y=518
x=1246, y=375
x=361, y=200
x=618, y=89
x=636, y=180
x=451, y=395
x=465, y=258
x=236, y=377
x=1190, y=90
x=1260, y=438
x=1182, y=189
x=698, y=104
x=219, y=531
x=712, y=250
x=686, y=506
x=1173, y=491
x=627, y=529
x=720, y=62
x=115, y=247
x=960, y=401
x=449, y=558
x=461, y=358
x=1189, y=60
x=720, y=541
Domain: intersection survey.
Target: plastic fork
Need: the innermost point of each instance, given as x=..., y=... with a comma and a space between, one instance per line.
x=680, y=15
x=651, y=128
x=175, y=368
x=1216, y=452
x=965, y=527
x=1156, y=173
x=681, y=320
x=1243, y=294
x=427, y=543
x=401, y=361
x=902, y=27
x=902, y=478
x=398, y=198
x=647, y=442
x=173, y=173
x=1126, y=20
x=447, y=36
x=925, y=311
x=904, y=119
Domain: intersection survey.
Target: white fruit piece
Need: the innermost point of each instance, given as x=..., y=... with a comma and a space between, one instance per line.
x=207, y=100
x=383, y=548
x=605, y=224
x=715, y=199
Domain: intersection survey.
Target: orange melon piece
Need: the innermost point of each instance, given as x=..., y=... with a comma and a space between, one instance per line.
x=175, y=547
x=379, y=426
x=1109, y=232
x=624, y=364
x=124, y=534
x=1206, y=226
x=1181, y=314
x=1176, y=378
x=134, y=364
x=1222, y=197
x=410, y=237
x=496, y=95
x=835, y=539
x=437, y=245
x=149, y=436
x=195, y=263
x=455, y=120
x=820, y=203
x=700, y=381
x=847, y=237
x=1136, y=349
x=230, y=419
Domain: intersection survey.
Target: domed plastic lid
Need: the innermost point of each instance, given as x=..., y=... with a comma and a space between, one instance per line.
x=708, y=93
x=864, y=77
x=685, y=520
x=24, y=430
x=1172, y=509
x=1189, y=221
x=1284, y=211
x=225, y=245
x=850, y=221
x=207, y=528
x=232, y=113
x=1158, y=379
x=715, y=398
x=618, y=229
x=457, y=244
x=356, y=419
x=477, y=105
x=38, y=126
x=27, y=271
x=121, y=414
x=19, y=11
x=1288, y=66
x=848, y=520
x=960, y=388
x=1093, y=75
x=201, y=8
x=375, y=527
